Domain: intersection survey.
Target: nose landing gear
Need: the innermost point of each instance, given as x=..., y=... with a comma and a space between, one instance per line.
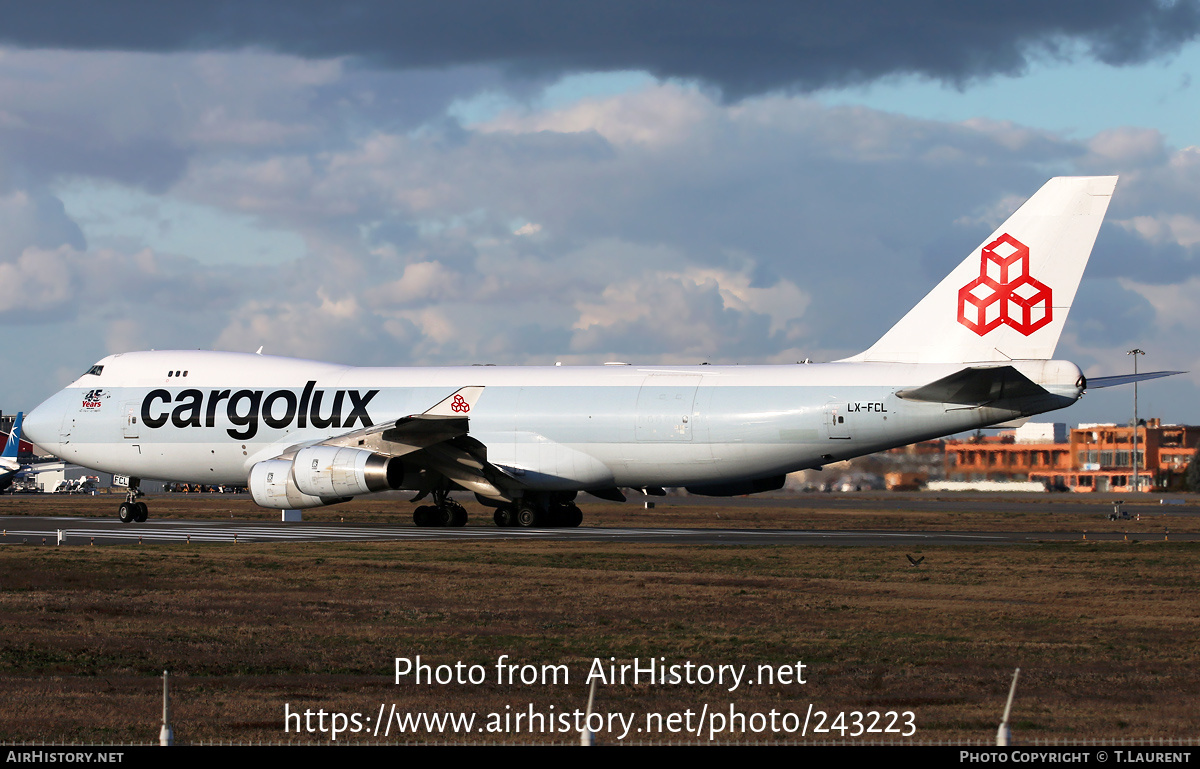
x=131, y=509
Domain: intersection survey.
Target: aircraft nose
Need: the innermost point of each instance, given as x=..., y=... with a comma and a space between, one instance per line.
x=41, y=425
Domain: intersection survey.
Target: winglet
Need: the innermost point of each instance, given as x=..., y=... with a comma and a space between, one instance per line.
x=457, y=405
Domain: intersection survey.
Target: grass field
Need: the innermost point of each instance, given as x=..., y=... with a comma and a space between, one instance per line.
x=1105, y=633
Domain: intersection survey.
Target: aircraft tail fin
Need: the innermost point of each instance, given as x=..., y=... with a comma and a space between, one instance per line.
x=14, y=439
x=1009, y=299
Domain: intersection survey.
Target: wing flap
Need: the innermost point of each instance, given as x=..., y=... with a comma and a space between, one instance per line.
x=463, y=460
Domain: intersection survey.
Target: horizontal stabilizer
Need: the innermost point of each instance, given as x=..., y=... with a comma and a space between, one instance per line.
x=976, y=387
x=1095, y=383
x=1013, y=423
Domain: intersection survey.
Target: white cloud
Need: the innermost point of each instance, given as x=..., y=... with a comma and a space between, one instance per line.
x=422, y=282
x=653, y=299
x=655, y=115
x=1174, y=304
x=1174, y=228
x=1128, y=147
x=39, y=281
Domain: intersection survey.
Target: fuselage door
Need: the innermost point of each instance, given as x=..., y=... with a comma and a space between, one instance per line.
x=664, y=407
x=130, y=416
x=837, y=425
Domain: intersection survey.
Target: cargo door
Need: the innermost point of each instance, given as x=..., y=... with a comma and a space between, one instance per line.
x=664, y=407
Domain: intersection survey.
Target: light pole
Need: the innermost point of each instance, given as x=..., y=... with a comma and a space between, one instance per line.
x=1135, y=352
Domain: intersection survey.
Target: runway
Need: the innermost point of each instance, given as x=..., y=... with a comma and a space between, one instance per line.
x=31, y=530
x=933, y=502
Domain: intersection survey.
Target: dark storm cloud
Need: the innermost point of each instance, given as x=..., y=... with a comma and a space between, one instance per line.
x=743, y=48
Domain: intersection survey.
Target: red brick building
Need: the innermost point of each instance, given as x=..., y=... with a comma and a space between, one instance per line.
x=1094, y=458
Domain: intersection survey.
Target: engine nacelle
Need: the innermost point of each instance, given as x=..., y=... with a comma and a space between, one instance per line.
x=332, y=471
x=272, y=485
x=738, y=488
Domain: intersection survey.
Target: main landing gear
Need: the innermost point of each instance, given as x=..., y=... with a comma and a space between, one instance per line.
x=533, y=513
x=131, y=509
x=443, y=512
x=530, y=512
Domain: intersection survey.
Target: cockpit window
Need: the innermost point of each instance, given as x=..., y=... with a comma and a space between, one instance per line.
x=95, y=370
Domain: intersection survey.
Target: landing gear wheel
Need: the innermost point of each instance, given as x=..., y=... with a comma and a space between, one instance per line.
x=528, y=516
x=424, y=515
x=449, y=513
x=505, y=516
x=132, y=510
x=572, y=515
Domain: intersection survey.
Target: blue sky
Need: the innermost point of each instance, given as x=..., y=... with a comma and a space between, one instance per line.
x=648, y=182
x=1076, y=98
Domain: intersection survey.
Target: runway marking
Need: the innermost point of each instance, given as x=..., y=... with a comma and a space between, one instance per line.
x=104, y=531
x=221, y=531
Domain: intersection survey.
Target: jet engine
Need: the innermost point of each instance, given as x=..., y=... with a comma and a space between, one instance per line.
x=332, y=471
x=326, y=475
x=272, y=485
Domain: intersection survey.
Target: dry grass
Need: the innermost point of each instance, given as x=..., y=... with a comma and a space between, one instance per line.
x=1105, y=634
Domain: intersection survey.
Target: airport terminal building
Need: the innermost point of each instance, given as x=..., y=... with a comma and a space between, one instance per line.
x=1091, y=457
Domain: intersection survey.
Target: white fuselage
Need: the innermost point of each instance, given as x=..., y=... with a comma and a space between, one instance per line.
x=208, y=417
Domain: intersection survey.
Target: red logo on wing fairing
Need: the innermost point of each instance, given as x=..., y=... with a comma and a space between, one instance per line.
x=1004, y=292
x=459, y=405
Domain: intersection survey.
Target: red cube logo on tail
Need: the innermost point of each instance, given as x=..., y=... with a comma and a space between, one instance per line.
x=1004, y=292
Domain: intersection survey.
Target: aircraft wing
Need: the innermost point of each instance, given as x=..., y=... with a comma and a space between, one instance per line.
x=435, y=439
x=42, y=467
x=445, y=421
